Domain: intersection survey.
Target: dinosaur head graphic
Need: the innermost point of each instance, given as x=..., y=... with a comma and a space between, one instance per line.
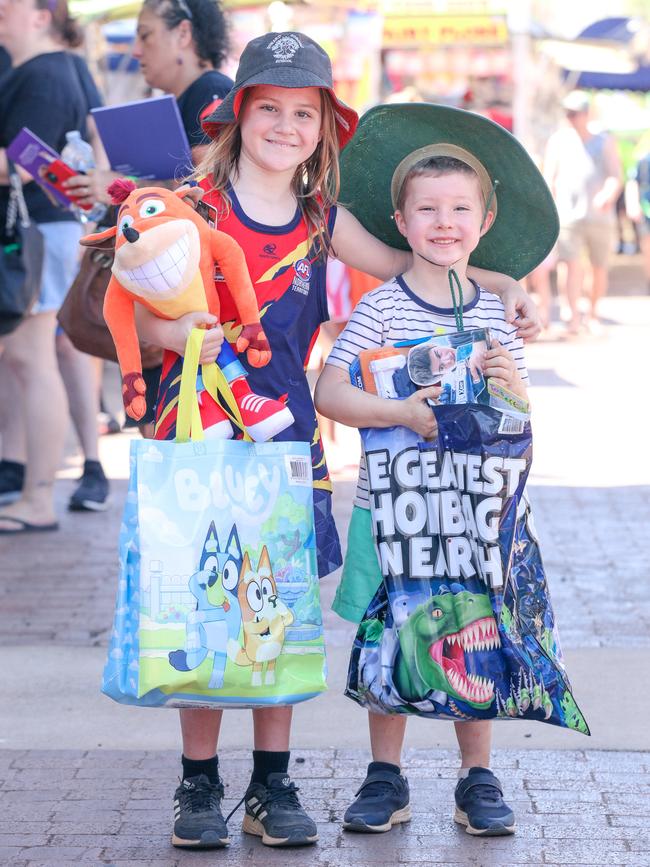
x=436, y=643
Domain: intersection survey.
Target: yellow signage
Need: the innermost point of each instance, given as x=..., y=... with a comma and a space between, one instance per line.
x=400, y=31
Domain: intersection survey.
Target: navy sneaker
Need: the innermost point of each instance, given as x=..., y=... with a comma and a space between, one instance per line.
x=92, y=492
x=382, y=801
x=274, y=813
x=198, y=820
x=12, y=477
x=480, y=806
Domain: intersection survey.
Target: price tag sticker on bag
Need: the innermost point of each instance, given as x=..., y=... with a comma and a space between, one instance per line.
x=298, y=470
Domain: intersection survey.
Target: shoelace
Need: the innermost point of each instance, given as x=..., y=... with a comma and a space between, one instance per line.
x=486, y=792
x=379, y=787
x=278, y=795
x=202, y=796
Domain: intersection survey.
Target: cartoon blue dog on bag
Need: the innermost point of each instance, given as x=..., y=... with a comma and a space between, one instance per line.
x=217, y=618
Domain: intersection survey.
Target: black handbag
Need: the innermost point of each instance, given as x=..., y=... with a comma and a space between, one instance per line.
x=21, y=259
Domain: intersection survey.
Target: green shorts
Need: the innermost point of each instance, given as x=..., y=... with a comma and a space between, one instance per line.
x=361, y=573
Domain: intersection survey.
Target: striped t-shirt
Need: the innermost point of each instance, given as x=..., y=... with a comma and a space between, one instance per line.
x=393, y=312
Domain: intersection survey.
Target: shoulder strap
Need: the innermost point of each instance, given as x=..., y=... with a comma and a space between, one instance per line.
x=17, y=207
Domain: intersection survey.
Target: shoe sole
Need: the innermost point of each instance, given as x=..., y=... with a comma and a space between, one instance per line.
x=255, y=827
x=497, y=830
x=208, y=840
x=399, y=816
x=88, y=506
x=266, y=430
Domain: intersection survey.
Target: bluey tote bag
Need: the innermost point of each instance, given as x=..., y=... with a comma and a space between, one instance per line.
x=462, y=625
x=218, y=600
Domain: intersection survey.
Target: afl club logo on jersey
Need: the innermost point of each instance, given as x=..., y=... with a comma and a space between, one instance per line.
x=303, y=274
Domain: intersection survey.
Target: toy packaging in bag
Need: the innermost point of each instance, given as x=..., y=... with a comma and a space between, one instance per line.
x=462, y=626
x=452, y=360
x=218, y=600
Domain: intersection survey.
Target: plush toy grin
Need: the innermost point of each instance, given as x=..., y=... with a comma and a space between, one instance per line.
x=165, y=271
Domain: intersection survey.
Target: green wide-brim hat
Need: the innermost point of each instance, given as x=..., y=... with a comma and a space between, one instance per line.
x=526, y=225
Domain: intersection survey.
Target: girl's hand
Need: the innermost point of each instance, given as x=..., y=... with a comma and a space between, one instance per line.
x=521, y=310
x=91, y=188
x=212, y=341
x=415, y=412
x=499, y=365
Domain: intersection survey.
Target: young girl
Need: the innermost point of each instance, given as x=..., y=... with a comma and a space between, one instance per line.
x=272, y=173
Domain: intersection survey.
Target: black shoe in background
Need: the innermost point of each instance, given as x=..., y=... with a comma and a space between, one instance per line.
x=12, y=478
x=92, y=492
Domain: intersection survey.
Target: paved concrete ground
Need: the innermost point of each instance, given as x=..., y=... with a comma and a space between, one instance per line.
x=85, y=781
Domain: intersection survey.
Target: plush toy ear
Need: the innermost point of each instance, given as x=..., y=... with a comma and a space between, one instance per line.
x=101, y=240
x=190, y=195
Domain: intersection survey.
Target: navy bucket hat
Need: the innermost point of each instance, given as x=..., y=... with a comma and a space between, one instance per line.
x=283, y=60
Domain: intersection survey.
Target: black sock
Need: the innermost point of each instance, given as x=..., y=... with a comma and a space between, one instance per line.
x=194, y=767
x=266, y=762
x=384, y=766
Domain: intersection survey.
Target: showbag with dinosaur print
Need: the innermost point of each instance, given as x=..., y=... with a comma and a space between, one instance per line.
x=218, y=600
x=461, y=626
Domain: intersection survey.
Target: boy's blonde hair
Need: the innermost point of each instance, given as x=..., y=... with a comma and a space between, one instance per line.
x=315, y=184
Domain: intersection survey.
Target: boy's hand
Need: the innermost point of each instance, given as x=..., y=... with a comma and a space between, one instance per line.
x=499, y=365
x=415, y=412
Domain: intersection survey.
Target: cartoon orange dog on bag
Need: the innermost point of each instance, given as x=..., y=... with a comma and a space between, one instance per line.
x=165, y=257
x=264, y=618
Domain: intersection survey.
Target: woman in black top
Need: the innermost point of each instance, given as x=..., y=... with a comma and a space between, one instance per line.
x=180, y=46
x=51, y=92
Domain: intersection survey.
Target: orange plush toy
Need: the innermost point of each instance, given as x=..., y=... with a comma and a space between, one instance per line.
x=165, y=257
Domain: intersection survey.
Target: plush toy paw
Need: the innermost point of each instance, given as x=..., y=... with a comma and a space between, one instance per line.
x=252, y=340
x=133, y=390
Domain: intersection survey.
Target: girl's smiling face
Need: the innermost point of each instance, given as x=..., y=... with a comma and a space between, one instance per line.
x=441, y=217
x=280, y=126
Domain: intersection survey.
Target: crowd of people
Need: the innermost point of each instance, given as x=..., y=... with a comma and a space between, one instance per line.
x=266, y=150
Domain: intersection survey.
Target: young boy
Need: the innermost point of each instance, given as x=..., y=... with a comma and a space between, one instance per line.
x=445, y=202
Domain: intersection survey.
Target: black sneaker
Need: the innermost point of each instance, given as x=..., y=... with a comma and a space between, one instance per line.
x=480, y=806
x=12, y=477
x=92, y=493
x=198, y=820
x=382, y=801
x=274, y=813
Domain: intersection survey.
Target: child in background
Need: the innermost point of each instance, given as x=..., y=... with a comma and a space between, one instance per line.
x=445, y=202
x=272, y=173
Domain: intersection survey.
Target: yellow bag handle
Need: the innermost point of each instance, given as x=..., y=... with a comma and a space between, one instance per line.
x=188, y=419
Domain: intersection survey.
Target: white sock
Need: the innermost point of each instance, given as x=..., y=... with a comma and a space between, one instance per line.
x=463, y=773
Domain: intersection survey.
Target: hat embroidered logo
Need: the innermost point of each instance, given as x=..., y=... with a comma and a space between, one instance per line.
x=284, y=48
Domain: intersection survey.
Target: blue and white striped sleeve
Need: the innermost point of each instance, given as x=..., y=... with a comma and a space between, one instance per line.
x=365, y=330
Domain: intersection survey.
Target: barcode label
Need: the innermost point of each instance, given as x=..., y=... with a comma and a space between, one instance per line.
x=510, y=424
x=298, y=469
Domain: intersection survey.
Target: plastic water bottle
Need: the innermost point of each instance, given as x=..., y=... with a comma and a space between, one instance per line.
x=78, y=154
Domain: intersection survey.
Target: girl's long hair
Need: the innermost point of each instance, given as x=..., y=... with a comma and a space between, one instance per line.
x=315, y=183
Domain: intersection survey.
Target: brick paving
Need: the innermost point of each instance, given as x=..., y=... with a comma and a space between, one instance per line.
x=113, y=808
x=108, y=807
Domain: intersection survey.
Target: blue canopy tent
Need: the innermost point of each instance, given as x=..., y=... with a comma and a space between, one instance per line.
x=614, y=30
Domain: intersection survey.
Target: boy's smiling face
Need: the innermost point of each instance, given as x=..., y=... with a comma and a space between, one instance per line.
x=441, y=217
